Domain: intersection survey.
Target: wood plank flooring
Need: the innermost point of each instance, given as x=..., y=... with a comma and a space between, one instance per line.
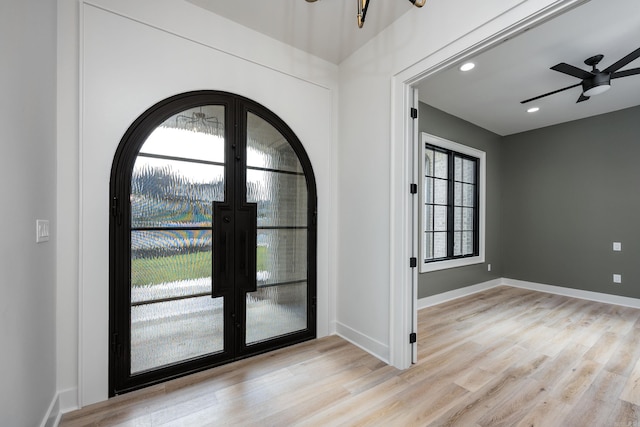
x=503, y=357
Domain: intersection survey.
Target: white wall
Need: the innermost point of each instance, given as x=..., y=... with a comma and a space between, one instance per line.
x=28, y=192
x=67, y=225
x=134, y=55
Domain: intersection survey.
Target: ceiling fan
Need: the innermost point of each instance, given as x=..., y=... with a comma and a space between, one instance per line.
x=593, y=82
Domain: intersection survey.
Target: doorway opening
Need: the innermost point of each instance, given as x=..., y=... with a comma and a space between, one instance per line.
x=405, y=217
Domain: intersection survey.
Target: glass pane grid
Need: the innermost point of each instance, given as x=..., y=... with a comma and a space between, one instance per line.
x=169, y=332
x=166, y=193
x=428, y=162
x=464, y=194
x=441, y=165
x=438, y=180
x=281, y=199
x=197, y=133
x=281, y=256
x=275, y=311
x=268, y=148
x=161, y=257
x=428, y=246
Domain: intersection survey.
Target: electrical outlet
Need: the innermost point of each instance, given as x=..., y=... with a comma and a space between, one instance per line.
x=617, y=278
x=488, y=267
x=42, y=230
x=617, y=246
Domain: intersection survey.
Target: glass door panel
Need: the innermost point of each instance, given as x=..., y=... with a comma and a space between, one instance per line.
x=267, y=148
x=274, y=311
x=178, y=174
x=276, y=183
x=169, y=193
x=262, y=185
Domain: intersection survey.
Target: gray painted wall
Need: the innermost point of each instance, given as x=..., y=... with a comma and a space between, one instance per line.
x=446, y=126
x=570, y=191
x=28, y=192
x=557, y=199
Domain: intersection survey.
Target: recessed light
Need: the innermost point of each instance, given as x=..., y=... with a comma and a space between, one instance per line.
x=533, y=109
x=467, y=67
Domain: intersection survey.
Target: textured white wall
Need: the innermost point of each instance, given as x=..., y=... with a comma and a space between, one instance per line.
x=130, y=64
x=28, y=192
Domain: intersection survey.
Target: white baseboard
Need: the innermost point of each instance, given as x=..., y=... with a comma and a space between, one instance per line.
x=53, y=415
x=458, y=293
x=574, y=293
x=63, y=401
x=551, y=289
x=68, y=400
x=368, y=344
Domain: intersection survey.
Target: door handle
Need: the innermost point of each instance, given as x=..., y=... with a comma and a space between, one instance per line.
x=234, y=248
x=222, y=230
x=247, y=218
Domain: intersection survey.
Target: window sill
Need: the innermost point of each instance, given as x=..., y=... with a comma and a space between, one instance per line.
x=427, y=267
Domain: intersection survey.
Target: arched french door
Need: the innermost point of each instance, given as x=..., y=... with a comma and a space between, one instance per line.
x=212, y=239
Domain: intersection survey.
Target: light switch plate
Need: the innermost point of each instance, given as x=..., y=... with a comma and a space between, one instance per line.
x=617, y=278
x=42, y=230
x=617, y=246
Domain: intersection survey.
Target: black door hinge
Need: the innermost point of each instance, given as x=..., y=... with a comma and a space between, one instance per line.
x=413, y=337
x=115, y=212
x=414, y=113
x=413, y=262
x=115, y=345
x=114, y=206
x=314, y=302
x=413, y=188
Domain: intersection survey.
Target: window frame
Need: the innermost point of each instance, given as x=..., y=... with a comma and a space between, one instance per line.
x=455, y=148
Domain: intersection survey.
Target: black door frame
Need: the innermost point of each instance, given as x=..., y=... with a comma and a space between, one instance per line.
x=236, y=110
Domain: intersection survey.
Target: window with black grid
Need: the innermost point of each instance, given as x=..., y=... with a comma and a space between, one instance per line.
x=451, y=204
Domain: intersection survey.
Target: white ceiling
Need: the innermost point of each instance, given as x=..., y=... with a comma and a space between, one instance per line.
x=490, y=95
x=518, y=69
x=326, y=28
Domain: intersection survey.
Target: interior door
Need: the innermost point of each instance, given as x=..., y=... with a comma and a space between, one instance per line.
x=212, y=239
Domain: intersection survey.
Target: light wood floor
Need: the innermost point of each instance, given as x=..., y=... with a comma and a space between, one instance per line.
x=503, y=357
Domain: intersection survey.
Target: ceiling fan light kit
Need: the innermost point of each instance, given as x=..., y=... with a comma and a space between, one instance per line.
x=600, y=83
x=593, y=82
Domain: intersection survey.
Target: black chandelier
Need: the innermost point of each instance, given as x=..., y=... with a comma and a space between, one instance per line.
x=363, y=5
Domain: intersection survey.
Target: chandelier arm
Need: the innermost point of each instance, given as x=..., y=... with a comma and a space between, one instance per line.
x=363, y=5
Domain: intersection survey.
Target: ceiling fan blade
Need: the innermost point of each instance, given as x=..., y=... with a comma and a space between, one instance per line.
x=582, y=98
x=572, y=71
x=550, y=93
x=624, y=61
x=625, y=73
